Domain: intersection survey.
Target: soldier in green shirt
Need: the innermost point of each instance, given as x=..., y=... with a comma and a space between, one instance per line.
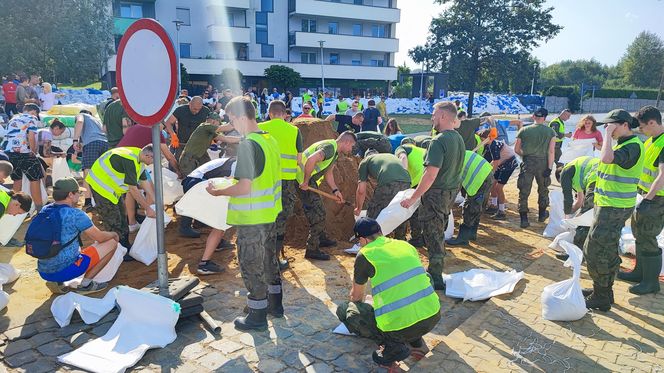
x=536, y=146
x=558, y=126
x=371, y=140
x=391, y=178
x=439, y=185
x=423, y=141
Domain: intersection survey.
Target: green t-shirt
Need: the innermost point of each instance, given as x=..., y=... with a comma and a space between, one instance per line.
x=627, y=156
x=200, y=139
x=126, y=166
x=385, y=168
x=364, y=135
x=113, y=115
x=535, y=140
x=250, y=160
x=467, y=131
x=421, y=139
x=446, y=152
x=328, y=153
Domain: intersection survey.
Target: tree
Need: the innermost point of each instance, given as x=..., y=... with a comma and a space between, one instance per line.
x=570, y=72
x=283, y=77
x=643, y=62
x=72, y=49
x=403, y=86
x=232, y=78
x=473, y=34
x=184, y=76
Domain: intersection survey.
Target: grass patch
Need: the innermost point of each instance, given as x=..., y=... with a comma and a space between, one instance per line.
x=413, y=123
x=96, y=85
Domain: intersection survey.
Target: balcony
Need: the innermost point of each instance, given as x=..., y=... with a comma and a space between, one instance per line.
x=349, y=42
x=226, y=34
x=240, y=4
x=343, y=10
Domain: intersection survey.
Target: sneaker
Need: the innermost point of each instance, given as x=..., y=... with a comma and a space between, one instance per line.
x=491, y=210
x=316, y=255
x=209, y=268
x=500, y=215
x=57, y=287
x=92, y=287
x=225, y=245
x=134, y=227
x=386, y=355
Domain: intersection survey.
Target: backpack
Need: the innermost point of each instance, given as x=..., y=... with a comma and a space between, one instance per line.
x=42, y=240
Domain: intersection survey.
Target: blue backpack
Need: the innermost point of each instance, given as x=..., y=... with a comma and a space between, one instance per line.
x=42, y=240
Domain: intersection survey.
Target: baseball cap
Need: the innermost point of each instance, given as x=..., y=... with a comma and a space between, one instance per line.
x=485, y=114
x=619, y=115
x=214, y=116
x=541, y=113
x=67, y=185
x=366, y=227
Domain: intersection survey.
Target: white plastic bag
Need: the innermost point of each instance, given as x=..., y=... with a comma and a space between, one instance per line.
x=172, y=186
x=25, y=188
x=60, y=169
x=9, y=224
x=556, y=216
x=583, y=220
x=394, y=215
x=8, y=273
x=480, y=284
x=4, y=299
x=108, y=272
x=563, y=301
x=144, y=248
x=90, y=309
x=204, y=207
x=449, y=231
x=578, y=148
x=565, y=236
x=459, y=200
x=627, y=241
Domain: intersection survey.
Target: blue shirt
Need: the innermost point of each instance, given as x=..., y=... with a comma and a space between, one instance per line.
x=74, y=222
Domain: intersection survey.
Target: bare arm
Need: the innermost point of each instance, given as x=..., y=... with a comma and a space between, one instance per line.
x=309, y=167
x=331, y=118
x=357, y=292
x=241, y=187
x=78, y=128
x=225, y=128
x=430, y=173
x=517, y=147
x=99, y=235
x=171, y=159
x=142, y=201
x=404, y=160
x=229, y=139
x=169, y=124
x=606, y=155
x=657, y=185
x=329, y=179
x=148, y=188
x=579, y=201
x=552, y=153
x=32, y=142
x=360, y=195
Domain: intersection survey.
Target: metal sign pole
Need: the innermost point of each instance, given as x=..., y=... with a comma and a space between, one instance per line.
x=162, y=259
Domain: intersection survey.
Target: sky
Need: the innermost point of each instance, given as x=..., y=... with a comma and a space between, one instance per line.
x=600, y=29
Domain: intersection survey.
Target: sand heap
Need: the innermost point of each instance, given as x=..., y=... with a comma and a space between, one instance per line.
x=339, y=220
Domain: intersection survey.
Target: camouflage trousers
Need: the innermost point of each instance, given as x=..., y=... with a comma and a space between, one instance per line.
x=533, y=168
x=381, y=198
x=588, y=204
x=415, y=225
x=558, y=152
x=434, y=214
x=472, y=208
x=312, y=204
x=359, y=318
x=381, y=145
x=257, y=254
x=601, y=247
x=188, y=163
x=113, y=215
x=647, y=223
x=288, y=197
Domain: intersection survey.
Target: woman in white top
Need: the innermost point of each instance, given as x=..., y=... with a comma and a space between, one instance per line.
x=47, y=97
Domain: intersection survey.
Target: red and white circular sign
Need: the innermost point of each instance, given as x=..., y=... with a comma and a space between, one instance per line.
x=146, y=69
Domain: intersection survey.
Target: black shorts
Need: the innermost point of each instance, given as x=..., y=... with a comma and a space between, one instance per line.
x=505, y=170
x=26, y=163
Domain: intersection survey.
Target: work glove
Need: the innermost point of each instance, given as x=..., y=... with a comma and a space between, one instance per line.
x=547, y=172
x=175, y=141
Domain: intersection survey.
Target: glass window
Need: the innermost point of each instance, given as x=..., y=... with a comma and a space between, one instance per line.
x=308, y=57
x=261, y=36
x=357, y=29
x=267, y=5
x=267, y=50
x=184, y=15
x=380, y=63
x=334, y=58
x=261, y=18
x=185, y=50
x=358, y=2
x=308, y=25
x=131, y=10
x=378, y=31
x=333, y=28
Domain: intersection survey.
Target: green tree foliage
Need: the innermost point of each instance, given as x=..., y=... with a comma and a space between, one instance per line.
x=574, y=72
x=403, y=86
x=283, y=77
x=64, y=41
x=184, y=76
x=471, y=35
x=643, y=63
x=231, y=78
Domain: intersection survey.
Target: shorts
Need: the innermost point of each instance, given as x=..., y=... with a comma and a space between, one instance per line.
x=26, y=163
x=88, y=258
x=505, y=170
x=91, y=152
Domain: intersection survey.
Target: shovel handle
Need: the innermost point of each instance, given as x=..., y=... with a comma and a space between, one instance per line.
x=329, y=196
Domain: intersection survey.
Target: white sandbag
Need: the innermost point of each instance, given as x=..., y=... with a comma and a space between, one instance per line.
x=563, y=301
x=9, y=224
x=627, y=241
x=394, y=214
x=60, y=169
x=4, y=299
x=210, y=210
x=108, y=272
x=25, y=188
x=172, y=186
x=144, y=248
x=459, y=200
x=583, y=220
x=145, y=321
x=8, y=273
x=90, y=309
x=449, y=231
x=480, y=284
x=578, y=148
x=556, y=215
x=563, y=237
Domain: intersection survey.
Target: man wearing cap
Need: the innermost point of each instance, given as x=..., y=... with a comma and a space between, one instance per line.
x=73, y=261
x=412, y=160
x=318, y=163
x=21, y=149
x=558, y=126
x=391, y=178
x=439, y=185
x=115, y=173
x=371, y=140
x=405, y=305
x=648, y=219
x=615, y=197
x=536, y=146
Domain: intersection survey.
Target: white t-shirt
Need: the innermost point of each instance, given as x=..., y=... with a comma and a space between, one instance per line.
x=48, y=100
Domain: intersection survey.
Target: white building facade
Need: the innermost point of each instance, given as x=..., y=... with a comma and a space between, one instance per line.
x=358, y=38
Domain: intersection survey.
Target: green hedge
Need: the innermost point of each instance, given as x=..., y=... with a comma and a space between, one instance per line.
x=648, y=94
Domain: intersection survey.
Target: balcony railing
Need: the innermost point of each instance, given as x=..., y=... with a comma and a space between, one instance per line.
x=344, y=42
x=344, y=10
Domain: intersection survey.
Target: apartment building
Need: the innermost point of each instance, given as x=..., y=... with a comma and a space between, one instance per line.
x=358, y=39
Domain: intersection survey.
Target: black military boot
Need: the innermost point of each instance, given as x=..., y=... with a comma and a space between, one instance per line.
x=600, y=299
x=462, y=239
x=435, y=271
x=326, y=242
x=637, y=273
x=524, y=220
x=543, y=215
x=473, y=232
x=390, y=353
x=652, y=267
x=256, y=319
x=124, y=241
x=185, y=228
x=589, y=291
x=275, y=297
x=562, y=256
x=316, y=255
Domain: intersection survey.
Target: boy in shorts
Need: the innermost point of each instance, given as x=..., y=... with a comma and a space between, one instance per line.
x=504, y=162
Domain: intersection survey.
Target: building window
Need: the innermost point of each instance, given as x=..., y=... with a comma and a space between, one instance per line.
x=357, y=29
x=333, y=28
x=267, y=51
x=334, y=58
x=356, y=59
x=261, y=36
x=261, y=27
x=185, y=50
x=267, y=5
x=131, y=10
x=378, y=31
x=261, y=19
x=308, y=25
x=358, y=2
x=379, y=63
x=184, y=15
x=308, y=57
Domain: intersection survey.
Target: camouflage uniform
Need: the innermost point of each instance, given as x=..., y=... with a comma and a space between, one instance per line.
x=601, y=247
x=472, y=208
x=381, y=145
x=647, y=223
x=588, y=204
x=113, y=216
x=258, y=258
x=188, y=163
x=434, y=215
x=315, y=213
x=533, y=168
x=381, y=198
x=415, y=226
x=289, y=190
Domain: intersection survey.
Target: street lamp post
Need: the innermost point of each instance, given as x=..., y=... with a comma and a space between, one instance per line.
x=322, y=69
x=532, y=85
x=421, y=86
x=178, y=24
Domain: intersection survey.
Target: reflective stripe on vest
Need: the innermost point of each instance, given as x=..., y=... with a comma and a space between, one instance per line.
x=561, y=128
x=415, y=163
x=475, y=171
x=402, y=292
x=263, y=203
x=616, y=186
x=286, y=136
x=321, y=166
x=585, y=172
x=650, y=172
x=107, y=181
x=4, y=201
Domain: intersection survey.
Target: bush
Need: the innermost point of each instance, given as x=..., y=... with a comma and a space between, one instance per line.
x=642, y=93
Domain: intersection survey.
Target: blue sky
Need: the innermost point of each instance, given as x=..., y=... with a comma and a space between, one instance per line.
x=591, y=28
